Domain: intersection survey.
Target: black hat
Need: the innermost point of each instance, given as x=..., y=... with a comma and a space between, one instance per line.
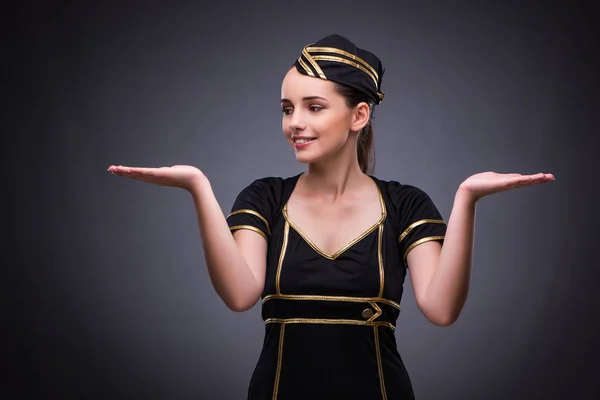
x=337, y=59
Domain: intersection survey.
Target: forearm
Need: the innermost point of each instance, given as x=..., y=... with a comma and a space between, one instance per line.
x=449, y=286
x=230, y=275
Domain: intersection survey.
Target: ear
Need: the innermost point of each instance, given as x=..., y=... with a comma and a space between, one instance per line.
x=360, y=116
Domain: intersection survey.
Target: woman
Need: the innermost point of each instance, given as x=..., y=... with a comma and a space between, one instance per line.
x=327, y=250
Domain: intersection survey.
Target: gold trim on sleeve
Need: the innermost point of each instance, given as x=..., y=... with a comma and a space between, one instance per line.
x=279, y=360
x=415, y=224
x=255, y=213
x=249, y=227
x=420, y=241
x=379, y=364
x=286, y=232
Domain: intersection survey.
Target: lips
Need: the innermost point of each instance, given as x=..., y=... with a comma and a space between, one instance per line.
x=301, y=141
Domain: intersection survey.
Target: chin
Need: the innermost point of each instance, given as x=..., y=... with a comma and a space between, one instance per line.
x=303, y=159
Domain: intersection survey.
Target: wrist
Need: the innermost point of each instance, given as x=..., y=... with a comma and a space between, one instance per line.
x=199, y=184
x=465, y=197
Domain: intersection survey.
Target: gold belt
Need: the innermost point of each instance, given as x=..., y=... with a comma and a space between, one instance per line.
x=329, y=310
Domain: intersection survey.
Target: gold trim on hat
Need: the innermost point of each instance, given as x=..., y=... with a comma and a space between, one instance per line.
x=306, y=68
x=346, y=61
x=312, y=62
x=358, y=63
x=334, y=50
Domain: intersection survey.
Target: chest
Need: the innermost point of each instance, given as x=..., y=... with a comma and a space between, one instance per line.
x=331, y=227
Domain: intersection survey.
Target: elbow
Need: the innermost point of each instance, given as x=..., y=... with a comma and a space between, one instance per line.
x=240, y=299
x=241, y=305
x=444, y=321
x=440, y=317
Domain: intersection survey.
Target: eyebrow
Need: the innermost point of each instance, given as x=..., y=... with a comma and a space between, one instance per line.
x=305, y=99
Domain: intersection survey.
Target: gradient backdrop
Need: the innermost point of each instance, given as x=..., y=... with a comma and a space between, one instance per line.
x=105, y=285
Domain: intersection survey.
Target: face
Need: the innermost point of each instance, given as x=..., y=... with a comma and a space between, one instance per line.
x=316, y=120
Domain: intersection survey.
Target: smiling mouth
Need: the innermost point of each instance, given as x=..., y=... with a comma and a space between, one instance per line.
x=303, y=140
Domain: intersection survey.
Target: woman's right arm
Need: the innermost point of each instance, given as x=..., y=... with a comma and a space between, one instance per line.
x=236, y=263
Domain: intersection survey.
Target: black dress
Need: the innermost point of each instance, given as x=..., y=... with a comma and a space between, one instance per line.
x=330, y=318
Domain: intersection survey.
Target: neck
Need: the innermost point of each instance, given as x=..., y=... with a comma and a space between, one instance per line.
x=335, y=176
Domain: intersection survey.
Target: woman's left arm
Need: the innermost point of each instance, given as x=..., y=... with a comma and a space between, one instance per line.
x=440, y=275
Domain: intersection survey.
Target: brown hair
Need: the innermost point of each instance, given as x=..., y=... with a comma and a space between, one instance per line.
x=365, y=151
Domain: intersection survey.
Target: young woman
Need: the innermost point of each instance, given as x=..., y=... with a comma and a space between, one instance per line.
x=328, y=250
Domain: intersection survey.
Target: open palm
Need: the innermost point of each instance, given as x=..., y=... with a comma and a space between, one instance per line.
x=487, y=183
x=182, y=176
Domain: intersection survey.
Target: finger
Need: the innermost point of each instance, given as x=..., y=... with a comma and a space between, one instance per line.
x=145, y=171
x=519, y=181
x=541, y=175
x=120, y=168
x=116, y=169
x=545, y=179
x=536, y=179
x=128, y=172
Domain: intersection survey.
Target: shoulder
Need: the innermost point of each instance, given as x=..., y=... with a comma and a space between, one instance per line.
x=265, y=194
x=269, y=185
x=400, y=194
x=407, y=203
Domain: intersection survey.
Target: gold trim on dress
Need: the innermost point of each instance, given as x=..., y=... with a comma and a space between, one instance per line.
x=415, y=224
x=420, y=241
x=378, y=312
x=326, y=321
x=380, y=261
x=286, y=231
x=346, y=247
x=311, y=297
x=279, y=358
x=379, y=364
x=255, y=213
x=250, y=227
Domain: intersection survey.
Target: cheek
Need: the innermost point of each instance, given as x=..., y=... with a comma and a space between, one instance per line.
x=333, y=126
x=285, y=127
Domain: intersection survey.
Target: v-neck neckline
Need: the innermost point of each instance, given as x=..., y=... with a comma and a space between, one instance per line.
x=349, y=245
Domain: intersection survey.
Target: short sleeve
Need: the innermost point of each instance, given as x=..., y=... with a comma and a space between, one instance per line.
x=253, y=208
x=418, y=218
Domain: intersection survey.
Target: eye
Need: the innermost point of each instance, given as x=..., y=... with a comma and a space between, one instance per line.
x=315, y=108
x=286, y=110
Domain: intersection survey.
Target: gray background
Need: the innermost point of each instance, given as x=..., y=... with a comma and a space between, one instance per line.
x=105, y=287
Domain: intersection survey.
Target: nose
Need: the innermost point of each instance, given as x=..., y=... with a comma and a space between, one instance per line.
x=296, y=123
